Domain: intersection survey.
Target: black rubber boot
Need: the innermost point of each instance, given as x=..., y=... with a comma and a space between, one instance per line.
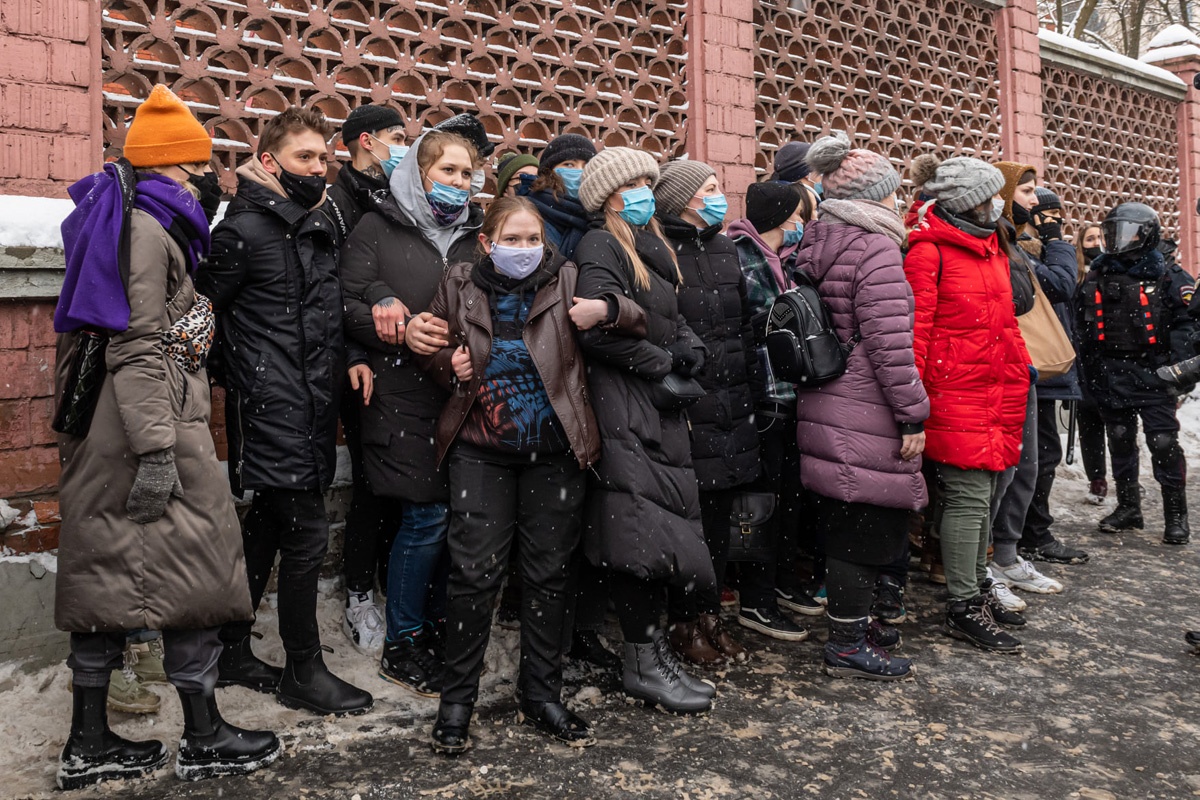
x=451, y=730
x=211, y=747
x=238, y=666
x=308, y=684
x=1128, y=514
x=1176, y=530
x=94, y=753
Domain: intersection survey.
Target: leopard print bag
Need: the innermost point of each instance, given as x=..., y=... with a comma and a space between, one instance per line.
x=190, y=338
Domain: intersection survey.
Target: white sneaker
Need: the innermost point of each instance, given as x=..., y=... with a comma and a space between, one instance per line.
x=1022, y=575
x=1006, y=598
x=364, y=624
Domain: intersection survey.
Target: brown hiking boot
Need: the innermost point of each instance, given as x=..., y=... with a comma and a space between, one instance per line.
x=692, y=645
x=719, y=637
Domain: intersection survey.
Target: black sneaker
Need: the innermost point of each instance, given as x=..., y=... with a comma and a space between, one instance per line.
x=1193, y=639
x=1055, y=553
x=770, y=621
x=971, y=620
x=889, y=601
x=1006, y=617
x=799, y=601
x=409, y=662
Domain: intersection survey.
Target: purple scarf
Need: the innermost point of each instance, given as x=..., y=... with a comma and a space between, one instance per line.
x=93, y=293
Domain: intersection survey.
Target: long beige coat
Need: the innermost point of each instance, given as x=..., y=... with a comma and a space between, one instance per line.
x=186, y=570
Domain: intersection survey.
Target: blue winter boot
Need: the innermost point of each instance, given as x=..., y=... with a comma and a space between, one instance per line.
x=849, y=653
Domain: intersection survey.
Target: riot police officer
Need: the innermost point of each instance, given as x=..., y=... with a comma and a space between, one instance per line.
x=1132, y=320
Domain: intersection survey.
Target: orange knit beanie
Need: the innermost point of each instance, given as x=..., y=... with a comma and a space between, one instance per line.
x=165, y=132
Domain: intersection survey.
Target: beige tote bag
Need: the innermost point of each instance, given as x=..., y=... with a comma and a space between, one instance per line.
x=1049, y=348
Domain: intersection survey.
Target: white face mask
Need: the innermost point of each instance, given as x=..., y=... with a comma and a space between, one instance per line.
x=996, y=211
x=477, y=179
x=516, y=262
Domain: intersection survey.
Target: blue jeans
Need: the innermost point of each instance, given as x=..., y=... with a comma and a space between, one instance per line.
x=417, y=567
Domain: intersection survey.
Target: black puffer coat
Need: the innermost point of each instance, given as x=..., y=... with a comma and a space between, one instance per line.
x=388, y=257
x=712, y=301
x=354, y=194
x=643, y=506
x=272, y=278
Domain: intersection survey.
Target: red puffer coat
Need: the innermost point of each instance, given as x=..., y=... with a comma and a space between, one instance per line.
x=968, y=348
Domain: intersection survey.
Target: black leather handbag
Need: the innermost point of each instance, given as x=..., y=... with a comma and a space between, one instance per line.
x=84, y=382
x=675, y=392
x=751, y=537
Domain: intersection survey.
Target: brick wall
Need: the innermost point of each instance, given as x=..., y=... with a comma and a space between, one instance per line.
x=28, y=457
x=49, y=94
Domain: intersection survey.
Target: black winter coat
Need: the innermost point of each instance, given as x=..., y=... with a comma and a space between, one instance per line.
x=643, y=507
x=1122, y=381
x=387, y=257
x=272, y=278
x=1057, y=271
x=713, y=302
x=353, y=195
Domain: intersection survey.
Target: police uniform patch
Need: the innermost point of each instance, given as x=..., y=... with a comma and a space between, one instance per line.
x=1186, y=291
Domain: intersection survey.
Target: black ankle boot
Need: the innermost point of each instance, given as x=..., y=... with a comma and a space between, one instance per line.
x=211, y=747
x=94, y=753
x=1175, y=512
x=308, y=684
x=451, y=730
x=586, y=646
x=1128, y=514
x=238, y=666
x=556, y=720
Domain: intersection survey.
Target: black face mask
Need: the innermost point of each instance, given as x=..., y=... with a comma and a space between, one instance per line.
x=303, y=190
x=1092, y=253
x=209, y=187
x=1020, y=215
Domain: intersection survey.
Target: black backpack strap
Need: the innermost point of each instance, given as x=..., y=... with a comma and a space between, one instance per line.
x=127, y=181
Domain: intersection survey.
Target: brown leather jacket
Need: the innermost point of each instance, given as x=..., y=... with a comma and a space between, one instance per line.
x=550, y=336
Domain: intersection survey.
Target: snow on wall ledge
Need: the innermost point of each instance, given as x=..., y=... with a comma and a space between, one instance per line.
x=1068, y=51
x=32, y=221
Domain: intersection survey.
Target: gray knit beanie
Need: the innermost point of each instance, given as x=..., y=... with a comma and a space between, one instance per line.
x=612, y=168
x=960, y=184
x=851, y=174
x=678, y=183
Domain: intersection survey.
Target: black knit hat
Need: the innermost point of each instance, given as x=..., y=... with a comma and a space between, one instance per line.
x=790, y=163
x=470, y=128
x=567, y=147
x=1046, y=200
x=769, y=204
x=369, y=118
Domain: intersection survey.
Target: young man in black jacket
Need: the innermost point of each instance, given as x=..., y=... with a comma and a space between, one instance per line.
x=272, y=278
x=374, y=136
x=1133, y=319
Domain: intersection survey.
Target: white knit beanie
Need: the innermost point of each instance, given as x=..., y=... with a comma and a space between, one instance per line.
x=612, y=168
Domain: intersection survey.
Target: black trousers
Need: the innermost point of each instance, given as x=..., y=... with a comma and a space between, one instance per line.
x=372, y=522
x=1038, y=518
x=1162, y=437
x=639, y=604
x=780, y=456
x=495, y=497
x=1092, y=447
x=715, y=508
x=189, y=658
x=292, y=525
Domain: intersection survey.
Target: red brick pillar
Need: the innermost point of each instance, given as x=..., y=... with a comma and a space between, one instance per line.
x=1186, y=65
x=721, y=127
x=50, y=117
x=1020, y=67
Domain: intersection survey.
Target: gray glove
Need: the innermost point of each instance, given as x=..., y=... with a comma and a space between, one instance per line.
x=157, y=479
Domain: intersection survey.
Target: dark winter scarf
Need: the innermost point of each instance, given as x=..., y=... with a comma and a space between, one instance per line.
x=93, y=293
x=1150, y=267
x=561, y=212
x=866, y=214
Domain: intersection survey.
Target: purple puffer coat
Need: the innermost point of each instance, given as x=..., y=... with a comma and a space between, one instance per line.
x=849, y=429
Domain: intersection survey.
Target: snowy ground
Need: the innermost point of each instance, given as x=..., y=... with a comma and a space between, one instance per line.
x=1100, y=705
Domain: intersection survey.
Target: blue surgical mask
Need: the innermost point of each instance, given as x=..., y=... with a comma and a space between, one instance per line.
x=714, y=209
x=516, y=262
x=639, y=206
x=477, y=179
x=525, y=183
x=571, y=177
x=819, y=188
x=396, y=152
x=447, y=202
x=793, y=235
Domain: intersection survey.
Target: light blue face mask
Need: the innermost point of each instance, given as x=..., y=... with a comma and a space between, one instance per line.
x=793, y=235
x=571, y=177
x=714, y=210
x=639, y=206
x=448, y=196
x=819, y=188
x=396, y=152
